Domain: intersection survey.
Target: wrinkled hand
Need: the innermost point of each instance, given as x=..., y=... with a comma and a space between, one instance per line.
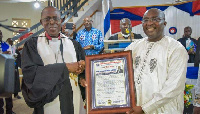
x=81, y=66
x=76, y=67
x=89, y=47
x=196, y=110
x=135, y=110
x=72, y=67
x=6, y=52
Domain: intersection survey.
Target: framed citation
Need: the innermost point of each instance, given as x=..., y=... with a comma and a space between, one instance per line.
x=110, y=84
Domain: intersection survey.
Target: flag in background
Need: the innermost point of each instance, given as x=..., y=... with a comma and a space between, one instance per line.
x=106, y=17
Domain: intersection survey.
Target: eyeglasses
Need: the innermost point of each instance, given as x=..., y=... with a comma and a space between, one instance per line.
x=48, y=19
x=154, y=20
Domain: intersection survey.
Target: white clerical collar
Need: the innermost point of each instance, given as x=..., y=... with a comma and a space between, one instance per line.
x=124, y=35
x=54, y=39
x=49, y=37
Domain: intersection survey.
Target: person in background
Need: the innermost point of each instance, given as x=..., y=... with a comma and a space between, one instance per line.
x=4, y=49
x=16, y=54
x=66, y=33
x=126, y=31
x=125, y=34
x=159, y=64
x=51, y=63
x=189, y=43
x=90, y=38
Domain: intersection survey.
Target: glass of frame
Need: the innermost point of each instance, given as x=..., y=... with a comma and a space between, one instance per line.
x=110, y=84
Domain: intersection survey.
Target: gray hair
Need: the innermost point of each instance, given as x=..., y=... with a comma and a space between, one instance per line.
x=50, y=7
x=123, y=20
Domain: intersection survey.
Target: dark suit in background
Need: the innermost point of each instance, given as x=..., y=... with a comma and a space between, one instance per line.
x=197, y=56
x=183, y=42
x=119, y=36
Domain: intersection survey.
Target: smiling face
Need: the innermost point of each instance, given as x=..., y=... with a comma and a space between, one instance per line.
x=87, y=22
x=125, y=24
x=187, y=32
x=153, y=24
x=50, y=20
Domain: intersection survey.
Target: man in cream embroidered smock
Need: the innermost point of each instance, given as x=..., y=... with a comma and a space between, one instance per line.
x=49, y=63
x=90, y=38
x=159, y=64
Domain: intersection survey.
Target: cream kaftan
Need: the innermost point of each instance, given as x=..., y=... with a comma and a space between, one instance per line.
x=159, y=75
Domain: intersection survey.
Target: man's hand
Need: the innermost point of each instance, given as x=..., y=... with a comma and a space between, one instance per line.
x=88, y=47
x=74, y=27
x=191, y=51
x=135, y=110
x=6, y=52
x=72, y=67
x=81, y=66
x=196, y=110
x=76, y=67
x=82, y=82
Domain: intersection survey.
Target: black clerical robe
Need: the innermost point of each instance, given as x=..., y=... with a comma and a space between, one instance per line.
x=42, y=84
x=119, y=36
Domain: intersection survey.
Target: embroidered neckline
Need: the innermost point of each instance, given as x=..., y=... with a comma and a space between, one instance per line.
x=139, y=76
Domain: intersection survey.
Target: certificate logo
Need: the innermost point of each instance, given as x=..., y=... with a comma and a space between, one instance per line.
x=109, y=102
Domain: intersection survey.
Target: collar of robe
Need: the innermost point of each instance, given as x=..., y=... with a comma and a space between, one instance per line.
x=61, y=44
x=124, y=35
x=49, y=37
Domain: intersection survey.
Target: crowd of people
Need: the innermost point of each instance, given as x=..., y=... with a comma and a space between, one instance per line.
x=53, y=65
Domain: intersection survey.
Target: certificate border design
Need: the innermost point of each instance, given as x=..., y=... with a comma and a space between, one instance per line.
x=128, y=72
x=126, y=86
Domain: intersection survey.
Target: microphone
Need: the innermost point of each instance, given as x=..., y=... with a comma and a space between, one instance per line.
x=128, y=31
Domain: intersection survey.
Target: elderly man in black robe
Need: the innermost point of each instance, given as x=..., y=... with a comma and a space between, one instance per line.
x=51, y=63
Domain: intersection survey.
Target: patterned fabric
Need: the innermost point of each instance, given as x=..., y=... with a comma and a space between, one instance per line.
x=92, y=37
x=153, y=64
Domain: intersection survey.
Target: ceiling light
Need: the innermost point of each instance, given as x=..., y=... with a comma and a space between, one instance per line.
x=36, y=4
